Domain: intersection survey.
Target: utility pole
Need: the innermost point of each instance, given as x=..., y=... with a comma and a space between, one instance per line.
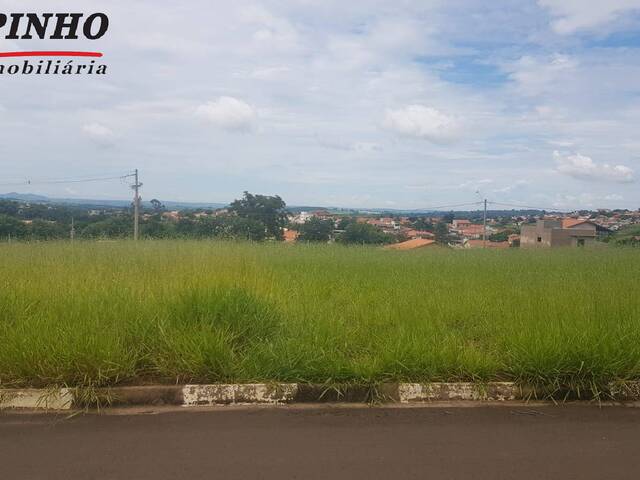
x=136, y=205
x=73, y=230
x=484, y=225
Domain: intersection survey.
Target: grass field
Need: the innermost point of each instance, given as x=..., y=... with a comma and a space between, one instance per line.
x=95, y=314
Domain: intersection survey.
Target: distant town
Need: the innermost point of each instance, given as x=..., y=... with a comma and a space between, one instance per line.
x=263, y=218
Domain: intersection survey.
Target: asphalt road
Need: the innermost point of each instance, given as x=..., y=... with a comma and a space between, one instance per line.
x=510, y=442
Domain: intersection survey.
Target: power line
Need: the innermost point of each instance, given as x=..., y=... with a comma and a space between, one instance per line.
x=65, y=181
x=525, y=206
x=136, y=188
x=449, y=206
x=136, y=204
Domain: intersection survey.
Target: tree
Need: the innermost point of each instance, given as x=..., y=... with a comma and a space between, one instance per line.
x=9, y=207
x=157, y=205
x=11, y=227
x=442, y=232
x=500, y=236
x=448, y=218
x=315, y=230
x=344, y=222
x=364, y=233
x=244, y=229
x=262, y=209
x=154, y=227
x=46, y=230
x=113, y=227
x=421, y=223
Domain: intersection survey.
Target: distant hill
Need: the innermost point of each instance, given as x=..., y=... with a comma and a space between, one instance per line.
x=23, y=197
x=173, y=205
x=87, y=202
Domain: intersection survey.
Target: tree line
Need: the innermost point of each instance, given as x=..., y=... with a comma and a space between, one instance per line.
x=252, y=217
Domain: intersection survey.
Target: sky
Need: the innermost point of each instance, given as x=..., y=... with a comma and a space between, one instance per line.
x=403, y=104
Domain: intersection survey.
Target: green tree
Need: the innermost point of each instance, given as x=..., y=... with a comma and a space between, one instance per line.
x=421, y=223
x=315, y=230
x=11, y=227
x=364, y=233
x=500, y=236
x=448, y=218
x=344, y=222
x=46, y=230
x=117, y=226
x=154, y=227
x=244, y=229
x=9, y=207
x=157, y=205
x=441, y=232
x=268, y=211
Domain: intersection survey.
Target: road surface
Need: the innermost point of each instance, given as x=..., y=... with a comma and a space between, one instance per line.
x=507, y=442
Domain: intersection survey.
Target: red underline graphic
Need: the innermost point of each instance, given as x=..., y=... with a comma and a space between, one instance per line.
x=50, y=54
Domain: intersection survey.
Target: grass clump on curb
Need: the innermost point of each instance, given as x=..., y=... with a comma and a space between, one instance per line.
x=100, y=314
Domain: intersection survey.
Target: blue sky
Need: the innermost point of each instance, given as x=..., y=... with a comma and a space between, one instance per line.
x=404, y=104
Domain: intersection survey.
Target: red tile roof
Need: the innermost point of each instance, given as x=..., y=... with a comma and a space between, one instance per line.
x=572, y=222
x=290, y=235
x=472, y=229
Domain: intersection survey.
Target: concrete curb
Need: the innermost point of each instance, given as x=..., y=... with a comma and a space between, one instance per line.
x=281, y=393
x=58, y=399
x=495, y=391
x=197, y=395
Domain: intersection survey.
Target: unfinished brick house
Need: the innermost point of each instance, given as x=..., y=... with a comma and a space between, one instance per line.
x=567, y=232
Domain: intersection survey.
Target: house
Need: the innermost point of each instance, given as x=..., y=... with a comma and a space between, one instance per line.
x=387, y=225
x=300, y=218
x=290, y=236
x=460, y=223
x=567, y=232
x=173, y=216
x=514, y=240
x=412, y=233
x=323, y=214
x=304, y=217
x=384, y=223
x=411, y=244
x=473, y=231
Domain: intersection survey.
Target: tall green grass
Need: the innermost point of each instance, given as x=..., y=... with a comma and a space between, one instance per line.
x=118, y=312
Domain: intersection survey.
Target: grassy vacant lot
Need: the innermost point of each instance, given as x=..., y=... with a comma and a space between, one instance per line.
x=107, y=313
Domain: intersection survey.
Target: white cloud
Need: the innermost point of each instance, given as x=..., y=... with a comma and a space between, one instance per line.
x=329, y=70
x=228, y=113
x=473, y=184
x=536, y=75
x=272, y=32
x=585, y=200
x=574, y=15
x=269, y=73
x=99, y=133
x=346, y=146
x=97, y=130
x=510, y=188
x=583, y=167
x=423, y=122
